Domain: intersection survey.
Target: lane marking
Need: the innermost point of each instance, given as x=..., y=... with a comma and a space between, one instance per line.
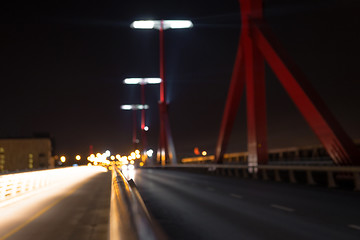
x=282, y=208
x=236, y=196
x=42, y=211
x=210, y=189
x=354, y=226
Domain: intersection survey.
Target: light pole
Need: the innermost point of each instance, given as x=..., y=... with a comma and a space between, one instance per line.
x=166, y=148
x=143, y=82
x=134, y=107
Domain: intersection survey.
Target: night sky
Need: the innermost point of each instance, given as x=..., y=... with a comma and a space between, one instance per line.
x=62, y=64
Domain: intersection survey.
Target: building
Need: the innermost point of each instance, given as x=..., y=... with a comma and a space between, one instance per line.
x=25, y=154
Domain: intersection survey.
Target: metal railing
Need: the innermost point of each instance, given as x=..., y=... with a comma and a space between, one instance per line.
x=351, y=173
x=304, y=155
x=242, y=157
x=129, y=218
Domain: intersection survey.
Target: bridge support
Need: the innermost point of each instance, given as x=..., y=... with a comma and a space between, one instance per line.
x=166, y=148
x=256, y=45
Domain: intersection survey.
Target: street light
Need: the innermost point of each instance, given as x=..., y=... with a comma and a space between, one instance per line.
x=134, y=107
x=161, y=24
x=143, y=82
x=166, y=143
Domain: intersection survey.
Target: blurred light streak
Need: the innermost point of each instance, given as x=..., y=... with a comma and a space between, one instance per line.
x=35, y=203
x=19, y=185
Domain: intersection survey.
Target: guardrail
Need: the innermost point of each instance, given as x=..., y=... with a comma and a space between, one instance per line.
x=242, y=158
x=17, y=184
x=264, y=172
x=314, y=154
x=129, y=218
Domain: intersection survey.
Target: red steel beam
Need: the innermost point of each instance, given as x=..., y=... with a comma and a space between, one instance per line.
x=162, y=109
x=167, y=149
x=249, y=67
x=337, y=143
x=255, y=86
x=162, y=64
x=163, y=139
x=143, y=132
x=235, y=92
x=257, y=43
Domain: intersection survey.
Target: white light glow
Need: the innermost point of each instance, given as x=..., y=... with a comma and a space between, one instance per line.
x=142, y=81
x=174, y=24
x=153, y=80
x=126, y=107
x=146, y=128
x=134, y=107
x=156, y=24
x=107, y=153
x=147, y=24
x=149, y=153
x=132, y=80
x=129, y=173
x=142, y=107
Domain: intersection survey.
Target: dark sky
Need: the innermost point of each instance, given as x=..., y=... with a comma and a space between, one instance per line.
x=62, y=64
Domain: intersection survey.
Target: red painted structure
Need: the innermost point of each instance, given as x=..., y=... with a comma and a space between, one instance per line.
x=166, y=145
x=256, y=45
x=143, y=132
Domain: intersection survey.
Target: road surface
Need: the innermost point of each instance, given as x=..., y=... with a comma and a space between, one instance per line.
x=195, y=206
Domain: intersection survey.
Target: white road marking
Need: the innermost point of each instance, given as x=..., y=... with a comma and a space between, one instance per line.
x=354, y=226
x=236, y=196
x=282, y=208
x=210, y=189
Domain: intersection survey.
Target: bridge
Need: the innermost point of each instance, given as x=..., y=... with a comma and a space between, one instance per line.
x=292, y=193
x=176, y=202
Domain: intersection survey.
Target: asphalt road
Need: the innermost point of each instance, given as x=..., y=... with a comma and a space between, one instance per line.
x=76, y=210
x=194, y=206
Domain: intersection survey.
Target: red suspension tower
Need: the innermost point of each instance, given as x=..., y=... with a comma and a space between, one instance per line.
x=257, y=45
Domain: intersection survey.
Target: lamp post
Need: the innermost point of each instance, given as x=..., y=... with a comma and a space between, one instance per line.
x=143, y=82
x=166, y=148
x=134, y=107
